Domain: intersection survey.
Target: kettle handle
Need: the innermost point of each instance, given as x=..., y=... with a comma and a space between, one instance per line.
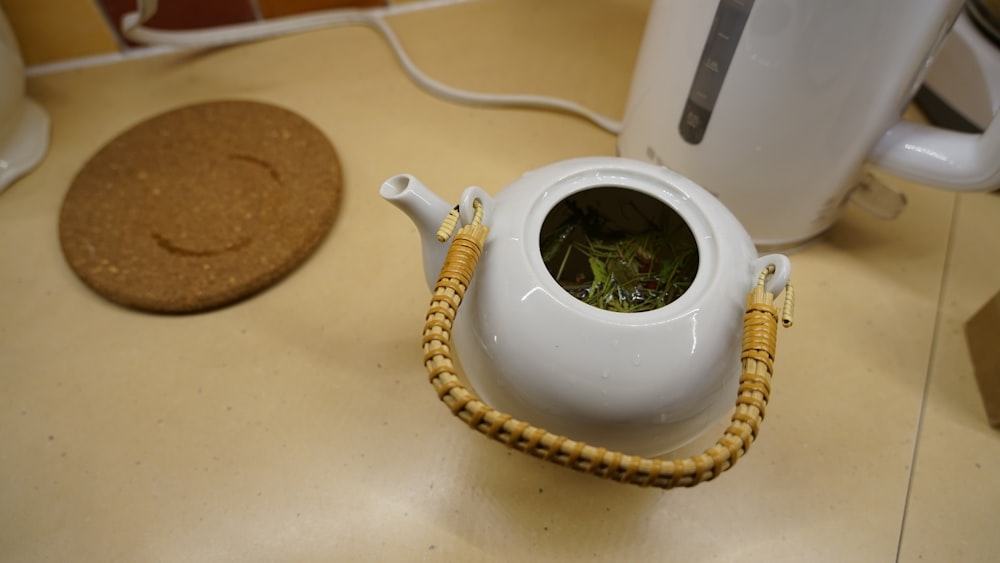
x=759, y=338
x=941, y=158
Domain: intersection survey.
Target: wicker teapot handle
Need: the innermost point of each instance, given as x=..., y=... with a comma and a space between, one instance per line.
x=759, y=332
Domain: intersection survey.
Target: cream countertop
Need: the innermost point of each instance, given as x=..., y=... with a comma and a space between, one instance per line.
x=277, y=429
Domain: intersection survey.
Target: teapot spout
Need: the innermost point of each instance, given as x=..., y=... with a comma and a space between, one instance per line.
x=426, y=210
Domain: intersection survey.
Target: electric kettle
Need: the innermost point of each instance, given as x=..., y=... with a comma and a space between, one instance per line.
x=776, y=106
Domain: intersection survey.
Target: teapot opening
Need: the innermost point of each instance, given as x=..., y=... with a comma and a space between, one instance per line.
x=619, y=249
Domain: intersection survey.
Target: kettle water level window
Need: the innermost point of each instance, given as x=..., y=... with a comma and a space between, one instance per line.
x=730, y=19
x=618, y=249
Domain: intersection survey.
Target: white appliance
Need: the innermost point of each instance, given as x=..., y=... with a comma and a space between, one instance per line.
x=776, y=106
x=24, y=125
x=962, y=88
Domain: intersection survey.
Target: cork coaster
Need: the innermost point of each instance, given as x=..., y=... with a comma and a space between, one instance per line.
x=200, y=206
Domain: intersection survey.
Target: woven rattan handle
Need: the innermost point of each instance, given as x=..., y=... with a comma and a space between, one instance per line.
x=759, y=333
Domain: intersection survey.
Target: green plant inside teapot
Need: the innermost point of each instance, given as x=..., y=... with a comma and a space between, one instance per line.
x=619, y=250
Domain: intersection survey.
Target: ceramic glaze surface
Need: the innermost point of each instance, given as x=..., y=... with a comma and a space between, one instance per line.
x=791, y=99
x=24, y=125
x=642, y=382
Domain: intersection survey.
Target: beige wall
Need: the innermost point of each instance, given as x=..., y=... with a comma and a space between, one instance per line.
x=55, y=30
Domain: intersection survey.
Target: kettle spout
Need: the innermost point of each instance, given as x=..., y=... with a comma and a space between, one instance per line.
x=427, y=211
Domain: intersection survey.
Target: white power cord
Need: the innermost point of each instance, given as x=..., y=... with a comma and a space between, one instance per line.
x=133, y=28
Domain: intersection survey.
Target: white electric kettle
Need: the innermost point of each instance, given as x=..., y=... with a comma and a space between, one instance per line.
x=775, y=106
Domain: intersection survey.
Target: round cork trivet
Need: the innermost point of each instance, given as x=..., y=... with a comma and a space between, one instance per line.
x=200, y=206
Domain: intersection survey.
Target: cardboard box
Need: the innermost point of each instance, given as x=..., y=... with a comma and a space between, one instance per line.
x=982, y=332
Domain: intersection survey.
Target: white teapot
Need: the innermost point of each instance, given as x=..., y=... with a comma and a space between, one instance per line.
x=644, y=382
